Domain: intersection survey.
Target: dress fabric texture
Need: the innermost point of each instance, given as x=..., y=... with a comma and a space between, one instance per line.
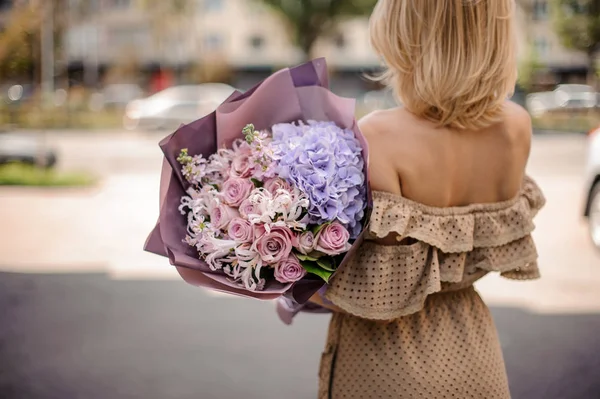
x=414, y=326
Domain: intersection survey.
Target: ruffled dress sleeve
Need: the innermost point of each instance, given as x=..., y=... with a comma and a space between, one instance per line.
x=451, y=248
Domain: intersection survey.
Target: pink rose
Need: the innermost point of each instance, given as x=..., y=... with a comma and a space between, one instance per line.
x=306, y=242
x=276, y=183
x=241, y=166
x=275, y=245
x=240, y=230
x=259, y=231
x=247, y=208
x=236, y=190
x=289, y=270
x=333, y=239
x=221, y=215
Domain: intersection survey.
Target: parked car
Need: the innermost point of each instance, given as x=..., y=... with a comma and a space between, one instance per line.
x=25, y=149
x=539, y=103
x=115, y=96
x=592, y=187
x=563, y=97
x=176, y=105
x=575, y=96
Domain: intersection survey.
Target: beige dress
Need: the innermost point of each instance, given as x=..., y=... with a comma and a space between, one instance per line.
x=442, y=342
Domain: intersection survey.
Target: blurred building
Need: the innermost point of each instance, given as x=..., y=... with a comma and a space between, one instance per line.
x=536, y=33
x=250, y=40
x=243, y=35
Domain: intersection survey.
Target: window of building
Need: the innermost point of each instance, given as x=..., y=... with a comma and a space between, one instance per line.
x=212, y=5
x=128, y=36
x=340, y=41
x=540, y=10
x=257, y=42
x=91, y=5
x=213, y=41
x=542, y=46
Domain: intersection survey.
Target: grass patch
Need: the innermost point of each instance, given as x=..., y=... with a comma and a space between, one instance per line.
x=568, y=121
x=33, y=117
x=18, y=174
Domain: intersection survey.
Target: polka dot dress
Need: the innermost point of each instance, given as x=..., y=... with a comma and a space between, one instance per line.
x=414, y=326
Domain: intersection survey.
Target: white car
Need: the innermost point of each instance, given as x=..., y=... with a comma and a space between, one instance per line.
x=175, y=106
x=592, y=187
x=575, y=96
x=564, y=97
x=539, y=103
x=20, y=148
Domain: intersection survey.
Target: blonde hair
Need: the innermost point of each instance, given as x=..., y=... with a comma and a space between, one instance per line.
x=452, y=62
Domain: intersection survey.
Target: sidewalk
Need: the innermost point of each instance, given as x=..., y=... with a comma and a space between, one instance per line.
x=100, y=229
x=104, y=228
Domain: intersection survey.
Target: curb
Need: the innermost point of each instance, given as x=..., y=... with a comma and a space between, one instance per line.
x=548, y=132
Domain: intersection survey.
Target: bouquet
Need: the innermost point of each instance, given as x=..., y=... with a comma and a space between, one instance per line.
x=268, y=195
x=279, y=204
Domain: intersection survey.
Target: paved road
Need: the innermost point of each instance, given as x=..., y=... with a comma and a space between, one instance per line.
x=113, y=323
x=86, y=336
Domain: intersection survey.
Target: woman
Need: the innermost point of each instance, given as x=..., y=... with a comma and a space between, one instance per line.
x=451, y=204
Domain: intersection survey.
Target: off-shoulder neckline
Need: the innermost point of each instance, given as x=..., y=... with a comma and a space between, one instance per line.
x=461, y=209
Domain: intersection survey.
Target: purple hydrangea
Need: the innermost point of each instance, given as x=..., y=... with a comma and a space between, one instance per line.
x=326, y=163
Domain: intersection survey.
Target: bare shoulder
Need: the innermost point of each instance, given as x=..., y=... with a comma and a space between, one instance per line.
x=374, y=127
x=385, y=127
x=381, y=131
x=519, y=122
x=518, y=112
x=373, y=124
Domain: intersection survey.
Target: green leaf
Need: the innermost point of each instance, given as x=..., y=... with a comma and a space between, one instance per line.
x=306, y=258
x=257, y=183
x=313, y=268
x=317, y=229
x=326, y=263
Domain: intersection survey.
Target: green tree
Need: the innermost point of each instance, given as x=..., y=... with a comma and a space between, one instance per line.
x=529, y=68
x=311, y=19
x=20, y=35
x=577, y=23
x=17, y=41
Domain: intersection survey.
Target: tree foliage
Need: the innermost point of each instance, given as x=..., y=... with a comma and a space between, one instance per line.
x=311, y=19
x=529, y=67
x=17, y=41
x=20, y=34
x=577, y=24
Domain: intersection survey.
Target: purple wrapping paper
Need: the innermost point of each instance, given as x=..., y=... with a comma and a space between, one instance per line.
x=289, y=95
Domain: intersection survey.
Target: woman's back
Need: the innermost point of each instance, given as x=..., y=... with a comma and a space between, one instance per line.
x=443, y=167
x=449, y=207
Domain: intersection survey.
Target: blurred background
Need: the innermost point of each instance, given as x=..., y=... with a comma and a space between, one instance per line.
x=89, y=87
